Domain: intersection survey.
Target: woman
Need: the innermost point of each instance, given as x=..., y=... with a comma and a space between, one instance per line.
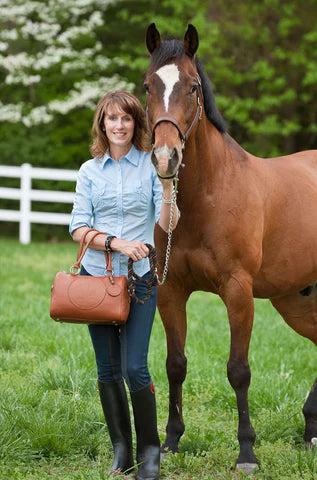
x=120, y=192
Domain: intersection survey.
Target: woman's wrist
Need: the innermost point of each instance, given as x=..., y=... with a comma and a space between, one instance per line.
x=115, y=244
x=167, y=193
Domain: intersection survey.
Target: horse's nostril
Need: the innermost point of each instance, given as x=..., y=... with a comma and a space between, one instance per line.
x=174, y=156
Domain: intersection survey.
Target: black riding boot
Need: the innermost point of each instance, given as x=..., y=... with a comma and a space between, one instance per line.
x=148, y=443
x=116, y=410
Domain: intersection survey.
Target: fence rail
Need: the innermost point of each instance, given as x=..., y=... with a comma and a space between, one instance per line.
x=25, y=216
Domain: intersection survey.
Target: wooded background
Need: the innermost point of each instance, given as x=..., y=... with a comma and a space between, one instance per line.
x=59, y=57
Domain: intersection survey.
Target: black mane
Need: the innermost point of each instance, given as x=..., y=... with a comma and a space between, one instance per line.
x=172, y=49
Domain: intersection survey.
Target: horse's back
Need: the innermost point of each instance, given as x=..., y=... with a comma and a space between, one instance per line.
x=305, y=161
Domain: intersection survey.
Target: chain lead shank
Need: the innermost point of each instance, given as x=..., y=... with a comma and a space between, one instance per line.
x=169, y=233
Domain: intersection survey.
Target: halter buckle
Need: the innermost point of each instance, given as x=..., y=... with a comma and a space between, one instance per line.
x=200, y=110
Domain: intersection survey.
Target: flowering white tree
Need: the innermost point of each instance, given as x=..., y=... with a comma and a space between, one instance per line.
x=52, y=60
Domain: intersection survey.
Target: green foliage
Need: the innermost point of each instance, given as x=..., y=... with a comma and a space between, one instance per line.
x=267, y=49
x=261, y=57
x=51, y=422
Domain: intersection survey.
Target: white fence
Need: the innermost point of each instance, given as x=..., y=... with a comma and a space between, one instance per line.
x=25, y=216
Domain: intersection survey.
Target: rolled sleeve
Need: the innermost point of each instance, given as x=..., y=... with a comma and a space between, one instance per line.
x=82, y=209
x=157, y=196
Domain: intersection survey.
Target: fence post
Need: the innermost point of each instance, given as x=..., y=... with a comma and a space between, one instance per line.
x=25, y=203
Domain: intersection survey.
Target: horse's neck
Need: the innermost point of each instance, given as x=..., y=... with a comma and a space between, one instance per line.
x=210, y=157
x=205, y=153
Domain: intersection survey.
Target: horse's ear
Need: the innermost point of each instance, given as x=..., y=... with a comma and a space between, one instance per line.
x=191, y=40
x=153, y=38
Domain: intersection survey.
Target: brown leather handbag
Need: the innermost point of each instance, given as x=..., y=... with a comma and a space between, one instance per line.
x=86, y=299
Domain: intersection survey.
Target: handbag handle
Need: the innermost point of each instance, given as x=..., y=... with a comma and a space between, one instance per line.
x=82, y=250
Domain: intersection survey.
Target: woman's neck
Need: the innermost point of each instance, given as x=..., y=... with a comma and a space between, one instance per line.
x=116, y=152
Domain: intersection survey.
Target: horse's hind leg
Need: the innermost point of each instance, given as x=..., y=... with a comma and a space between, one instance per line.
x=172, y=308
x=300, y=312
x=310, y=414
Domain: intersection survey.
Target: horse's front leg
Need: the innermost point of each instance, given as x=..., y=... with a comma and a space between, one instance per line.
x=238, y=297
x=172, y=308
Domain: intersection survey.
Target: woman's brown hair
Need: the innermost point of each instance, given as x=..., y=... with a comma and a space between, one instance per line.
x=128, y=103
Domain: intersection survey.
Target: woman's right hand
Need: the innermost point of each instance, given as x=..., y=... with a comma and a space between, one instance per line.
x=134, y=249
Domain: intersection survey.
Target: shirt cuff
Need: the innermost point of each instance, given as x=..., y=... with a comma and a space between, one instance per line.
x=78, y=221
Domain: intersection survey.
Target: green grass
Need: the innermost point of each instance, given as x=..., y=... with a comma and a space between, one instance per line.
x=51, y=423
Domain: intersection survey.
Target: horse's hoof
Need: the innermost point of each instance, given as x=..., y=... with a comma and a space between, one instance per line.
x=169, y=448
x=162, y=456
x=248, y=468
x=312, y=444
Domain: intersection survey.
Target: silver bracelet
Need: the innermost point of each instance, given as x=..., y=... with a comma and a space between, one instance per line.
x=164, y=200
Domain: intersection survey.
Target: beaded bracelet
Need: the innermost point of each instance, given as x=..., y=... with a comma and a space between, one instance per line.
x=108, y=242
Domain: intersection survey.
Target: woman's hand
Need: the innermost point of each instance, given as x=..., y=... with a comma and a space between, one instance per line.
x=135, y=249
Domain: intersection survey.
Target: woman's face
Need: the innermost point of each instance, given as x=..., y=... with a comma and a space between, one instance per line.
x=119, y=127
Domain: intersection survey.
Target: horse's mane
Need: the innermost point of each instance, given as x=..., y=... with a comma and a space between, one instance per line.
x=172, y=48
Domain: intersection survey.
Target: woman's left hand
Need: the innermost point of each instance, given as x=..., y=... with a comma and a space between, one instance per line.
x=133, y=249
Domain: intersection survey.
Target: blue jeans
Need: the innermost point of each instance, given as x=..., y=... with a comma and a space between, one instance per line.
x=122, y=351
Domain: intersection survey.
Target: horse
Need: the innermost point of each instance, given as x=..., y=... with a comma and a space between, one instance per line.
x=248, y=228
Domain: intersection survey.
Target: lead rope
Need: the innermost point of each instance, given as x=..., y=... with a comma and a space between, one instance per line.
x=169, y=232
x=132, y=276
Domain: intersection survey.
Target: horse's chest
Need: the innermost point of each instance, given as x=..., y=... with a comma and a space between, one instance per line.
x=196, y=268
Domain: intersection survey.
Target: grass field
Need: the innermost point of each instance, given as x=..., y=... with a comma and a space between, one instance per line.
x=51, y=423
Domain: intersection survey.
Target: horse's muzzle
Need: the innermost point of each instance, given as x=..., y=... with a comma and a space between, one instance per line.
x=166, y=161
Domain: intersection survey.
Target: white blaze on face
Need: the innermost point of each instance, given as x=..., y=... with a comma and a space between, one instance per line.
x=169, y=74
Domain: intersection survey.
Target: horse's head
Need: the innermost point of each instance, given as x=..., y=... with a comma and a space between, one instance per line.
x=174, y=98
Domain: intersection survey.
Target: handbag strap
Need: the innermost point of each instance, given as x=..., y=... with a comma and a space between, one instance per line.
x=132, y=276
x=82, y=240
x=82, y=250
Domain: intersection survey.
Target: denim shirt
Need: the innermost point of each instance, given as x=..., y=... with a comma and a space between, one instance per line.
x=118, y=198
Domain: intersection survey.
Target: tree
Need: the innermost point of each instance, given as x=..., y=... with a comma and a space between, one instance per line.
x=53, y=70
x=265, y=67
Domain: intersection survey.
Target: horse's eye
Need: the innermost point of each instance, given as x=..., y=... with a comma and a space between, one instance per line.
x=146, y=88
x=193, y=89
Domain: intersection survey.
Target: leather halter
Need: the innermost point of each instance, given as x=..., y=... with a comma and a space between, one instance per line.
x=167, y=118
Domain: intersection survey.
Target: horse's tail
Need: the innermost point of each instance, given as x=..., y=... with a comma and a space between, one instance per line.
x=299, y=311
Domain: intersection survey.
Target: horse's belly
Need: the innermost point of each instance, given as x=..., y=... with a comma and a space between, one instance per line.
x=286, y=274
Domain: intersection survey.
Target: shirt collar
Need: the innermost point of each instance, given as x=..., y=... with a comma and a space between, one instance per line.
x=131, y=156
